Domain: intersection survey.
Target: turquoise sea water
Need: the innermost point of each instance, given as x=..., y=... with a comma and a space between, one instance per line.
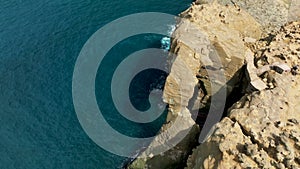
x=39, y=43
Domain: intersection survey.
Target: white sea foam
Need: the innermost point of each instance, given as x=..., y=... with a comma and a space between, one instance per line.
x=171, y=29
x=165, y=43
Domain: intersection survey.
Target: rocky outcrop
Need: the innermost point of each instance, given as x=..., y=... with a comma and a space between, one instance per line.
x=262, y=130
x=227, y=37
x=256, y=134
x=197, y=44
x=270, y=14
x=225, y=27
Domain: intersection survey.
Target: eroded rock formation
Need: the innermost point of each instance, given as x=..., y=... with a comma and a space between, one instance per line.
x=236, y=38
x=262, y=129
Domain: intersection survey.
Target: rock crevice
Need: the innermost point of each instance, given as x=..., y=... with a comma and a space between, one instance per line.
x=259, y=59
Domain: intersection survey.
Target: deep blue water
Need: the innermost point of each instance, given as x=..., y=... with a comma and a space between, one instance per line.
x=39, y=43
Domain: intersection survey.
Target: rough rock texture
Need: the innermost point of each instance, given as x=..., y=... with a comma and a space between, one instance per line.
x=294, y=13
x=251, y=136
x=173, y=159
x=262, y=130
x=226, y=27
x=284, y=48
x=271, y=14
x=198, y=42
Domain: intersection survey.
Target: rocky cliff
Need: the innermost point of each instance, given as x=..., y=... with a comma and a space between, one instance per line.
x=262, y=129
x=259, y=66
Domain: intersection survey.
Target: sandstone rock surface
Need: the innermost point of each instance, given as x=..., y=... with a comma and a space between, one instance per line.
x=200, y=45
x=262, y=130
x=271, y=14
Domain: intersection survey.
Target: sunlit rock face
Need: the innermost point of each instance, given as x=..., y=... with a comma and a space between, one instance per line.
x=199, y=42
x=262, y=128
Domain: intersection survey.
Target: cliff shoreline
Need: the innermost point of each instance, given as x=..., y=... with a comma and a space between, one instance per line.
x=258, y=58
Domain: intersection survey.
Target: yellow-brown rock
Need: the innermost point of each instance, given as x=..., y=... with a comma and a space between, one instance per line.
x=200, y=41
x=262, y=129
